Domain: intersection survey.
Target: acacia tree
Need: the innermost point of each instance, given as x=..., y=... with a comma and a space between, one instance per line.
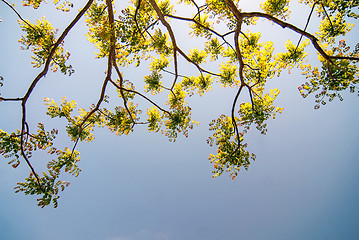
x=144, y=33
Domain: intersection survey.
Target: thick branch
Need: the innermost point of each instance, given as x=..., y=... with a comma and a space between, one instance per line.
x=238, y=51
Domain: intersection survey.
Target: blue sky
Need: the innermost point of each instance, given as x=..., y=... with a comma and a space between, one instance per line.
x=303, y=185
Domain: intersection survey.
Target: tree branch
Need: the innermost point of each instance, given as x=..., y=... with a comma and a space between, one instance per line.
x=111, y=59
x=121, y=92
x=18, y=14
x=10, y=99
x=234, y=123
x=306, y=25
x=172, y=36
x=37, y=79
x=138, y=93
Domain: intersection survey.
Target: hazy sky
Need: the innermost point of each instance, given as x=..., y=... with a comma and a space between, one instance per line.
x=303, y=185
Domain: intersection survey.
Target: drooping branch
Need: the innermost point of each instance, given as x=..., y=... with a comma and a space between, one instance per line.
x=283, y=24
x=239, y=15
x=37, y=79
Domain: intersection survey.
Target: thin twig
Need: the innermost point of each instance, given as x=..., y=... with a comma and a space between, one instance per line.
x=121, y=92
x=140, y=94
x=18, y=14
x=135, y=18
x=326, y=14
x=234, y=123
x=306, y=25
x=10, y=99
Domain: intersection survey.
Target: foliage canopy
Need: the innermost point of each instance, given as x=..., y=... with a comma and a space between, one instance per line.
x=145, y=33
